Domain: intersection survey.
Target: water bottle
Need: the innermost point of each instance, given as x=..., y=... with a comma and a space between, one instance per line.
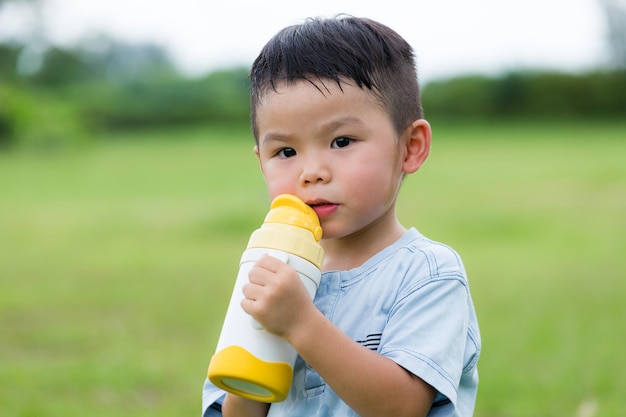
x=249, y=361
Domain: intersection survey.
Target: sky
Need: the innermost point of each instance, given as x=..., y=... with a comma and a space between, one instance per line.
x=450, y=37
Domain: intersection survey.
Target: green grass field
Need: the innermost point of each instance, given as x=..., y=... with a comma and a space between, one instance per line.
x=117, y=262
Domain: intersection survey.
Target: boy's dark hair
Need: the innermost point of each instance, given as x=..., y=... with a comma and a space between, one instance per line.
x=343, y=49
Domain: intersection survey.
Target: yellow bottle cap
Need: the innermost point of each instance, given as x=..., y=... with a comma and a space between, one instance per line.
x=291, y=226
x=289, y=209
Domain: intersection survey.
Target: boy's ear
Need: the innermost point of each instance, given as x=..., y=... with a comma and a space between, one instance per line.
x=417, y=142
x=258, y=156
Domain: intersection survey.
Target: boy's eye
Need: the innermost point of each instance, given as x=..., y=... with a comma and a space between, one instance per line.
x=341, y=142
x=287, y=152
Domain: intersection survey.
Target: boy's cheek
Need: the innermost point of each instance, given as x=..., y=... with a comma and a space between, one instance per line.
x=277, y=185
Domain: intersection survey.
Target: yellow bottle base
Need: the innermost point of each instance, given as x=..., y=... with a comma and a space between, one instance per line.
x=237, y=371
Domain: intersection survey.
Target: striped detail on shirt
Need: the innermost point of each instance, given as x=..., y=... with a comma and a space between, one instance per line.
x=372, y=341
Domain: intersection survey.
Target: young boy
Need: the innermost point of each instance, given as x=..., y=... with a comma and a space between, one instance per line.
x=337, y=121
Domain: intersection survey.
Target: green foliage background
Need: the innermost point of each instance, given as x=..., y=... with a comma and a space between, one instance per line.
x=117, y=263
x=534, y=95
x=79, y=93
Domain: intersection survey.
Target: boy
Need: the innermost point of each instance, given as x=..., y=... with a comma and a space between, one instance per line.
x=337, y=121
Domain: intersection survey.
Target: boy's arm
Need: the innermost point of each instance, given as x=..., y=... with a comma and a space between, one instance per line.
x=234, y=406
x=369, y=383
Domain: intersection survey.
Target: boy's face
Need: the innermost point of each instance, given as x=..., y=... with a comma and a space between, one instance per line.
x=337, y=151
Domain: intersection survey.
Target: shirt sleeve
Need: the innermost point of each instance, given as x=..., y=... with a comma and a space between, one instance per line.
x=427, y=331
x=212, y=398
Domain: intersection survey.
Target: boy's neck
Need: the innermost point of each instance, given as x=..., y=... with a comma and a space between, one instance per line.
x=352, y=251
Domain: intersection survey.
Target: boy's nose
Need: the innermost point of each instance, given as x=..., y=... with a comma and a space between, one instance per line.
x=314, y=171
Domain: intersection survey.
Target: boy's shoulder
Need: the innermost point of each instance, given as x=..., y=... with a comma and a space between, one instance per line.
x=411, y=260
x=437, y=254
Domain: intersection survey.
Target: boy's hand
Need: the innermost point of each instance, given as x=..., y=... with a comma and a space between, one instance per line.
x=275, y=296
x=238, y=406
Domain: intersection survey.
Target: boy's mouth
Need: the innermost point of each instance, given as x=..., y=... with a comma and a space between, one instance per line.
x=323, y=208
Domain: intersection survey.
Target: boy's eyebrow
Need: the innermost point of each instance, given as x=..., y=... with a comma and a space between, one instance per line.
x=342, y=121
x=325, y=128
x=272, y=136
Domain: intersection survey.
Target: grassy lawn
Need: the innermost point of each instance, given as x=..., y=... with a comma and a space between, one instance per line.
x=117, y=262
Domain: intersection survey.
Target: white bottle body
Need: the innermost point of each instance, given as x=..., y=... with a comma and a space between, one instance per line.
x=240, y=329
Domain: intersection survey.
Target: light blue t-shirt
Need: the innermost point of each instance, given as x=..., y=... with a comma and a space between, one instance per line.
x=411, y=303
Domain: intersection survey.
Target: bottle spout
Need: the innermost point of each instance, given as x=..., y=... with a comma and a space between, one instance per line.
x=289, y=209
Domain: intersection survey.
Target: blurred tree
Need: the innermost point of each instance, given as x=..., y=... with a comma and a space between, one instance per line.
x=530, y=95
x=125, y=62
x=55, y=97
x=615, y=12
x=59, y=67
x=31, y=31
x=9, y=54
x=112, y=62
